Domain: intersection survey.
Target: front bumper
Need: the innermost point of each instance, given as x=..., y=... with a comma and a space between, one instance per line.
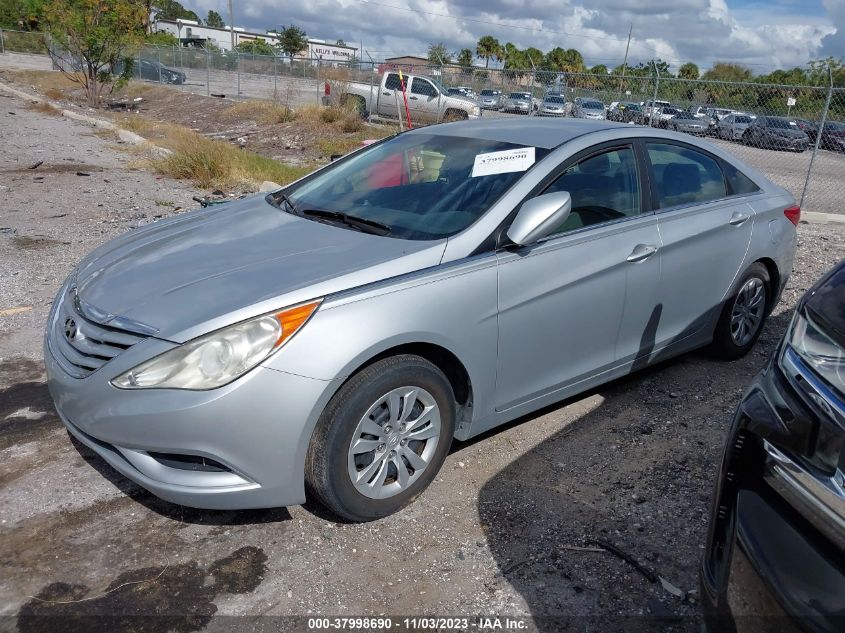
x=777, y=142
x=239, y=446
x=768, y=564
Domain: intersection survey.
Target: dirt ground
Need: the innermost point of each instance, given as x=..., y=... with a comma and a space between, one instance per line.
x=507, y=528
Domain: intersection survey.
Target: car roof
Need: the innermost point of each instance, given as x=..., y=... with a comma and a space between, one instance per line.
x=536, y=131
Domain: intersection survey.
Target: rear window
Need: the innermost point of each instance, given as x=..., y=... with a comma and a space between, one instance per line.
x=684, y=175
x=739, y=182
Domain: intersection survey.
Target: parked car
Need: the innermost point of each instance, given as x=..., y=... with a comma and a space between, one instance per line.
x=650, y=105
x=152, y=70
x=698, y=111
x=775, y=549
x=773, y=132
x=811, y=128
x=625, y=112
x=714, y=115
x=686, y=122
x=340, y=331
x=733, y=126
x=553, y=105
x=520, y=103
x=584, y=108
x=491, y=99
x=428, y=101
x=833, y=136
x=463, y=91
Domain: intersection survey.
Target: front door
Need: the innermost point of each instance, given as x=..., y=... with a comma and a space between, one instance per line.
x=391, y=103
x=579, y=301
x=705, y=237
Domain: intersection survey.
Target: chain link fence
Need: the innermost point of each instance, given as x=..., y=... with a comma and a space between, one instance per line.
x=793, y=134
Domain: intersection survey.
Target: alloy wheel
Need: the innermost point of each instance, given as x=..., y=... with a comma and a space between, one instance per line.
x=747, y=311
x=394, y=442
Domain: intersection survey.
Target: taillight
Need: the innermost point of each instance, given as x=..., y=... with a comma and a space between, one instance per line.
x=793, y=214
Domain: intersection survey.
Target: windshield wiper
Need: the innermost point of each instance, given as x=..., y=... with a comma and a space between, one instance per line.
x=362, y=224
x=278, y=198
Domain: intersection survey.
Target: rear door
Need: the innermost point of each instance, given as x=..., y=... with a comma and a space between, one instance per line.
x=573, y=304
x=423, y=100
x=705, y=235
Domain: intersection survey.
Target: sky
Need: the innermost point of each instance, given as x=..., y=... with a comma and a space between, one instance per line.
x=761, y=34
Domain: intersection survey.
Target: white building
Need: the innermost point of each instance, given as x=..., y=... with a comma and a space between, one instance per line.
x=191, y=33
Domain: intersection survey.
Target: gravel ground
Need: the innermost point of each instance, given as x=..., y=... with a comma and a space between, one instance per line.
x=497, y=534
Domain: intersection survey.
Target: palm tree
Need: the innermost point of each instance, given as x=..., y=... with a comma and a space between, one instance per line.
x=487, y=47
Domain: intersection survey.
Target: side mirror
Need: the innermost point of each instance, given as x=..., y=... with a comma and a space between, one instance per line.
x=539, y=216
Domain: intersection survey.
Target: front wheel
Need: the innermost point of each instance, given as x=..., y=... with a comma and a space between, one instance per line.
x=743, y=314
x=382, y=438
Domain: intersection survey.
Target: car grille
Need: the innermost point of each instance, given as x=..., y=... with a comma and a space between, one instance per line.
x=83, y=345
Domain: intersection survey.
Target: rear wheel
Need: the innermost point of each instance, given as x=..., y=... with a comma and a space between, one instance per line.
x=382, y=438
x=743, y=314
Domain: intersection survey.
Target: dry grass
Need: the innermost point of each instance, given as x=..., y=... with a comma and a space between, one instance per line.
x=207, y=162
x=45, y=80
x=43, y=108
x=266, y=112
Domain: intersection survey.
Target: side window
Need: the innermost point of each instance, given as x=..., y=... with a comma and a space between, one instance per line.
x=604, y=187
x=423, y=87
x=684, y=176
x=392, y=82
x=740, y=183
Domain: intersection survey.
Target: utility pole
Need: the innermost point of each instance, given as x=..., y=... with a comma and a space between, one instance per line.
x=232, y=24
x=625, y=62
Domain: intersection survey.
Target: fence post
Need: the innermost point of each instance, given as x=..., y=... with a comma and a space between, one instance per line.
x=207, y=72
x=818, y=136
x=239, y=74
x=654, y=98
x=2, y=43
x=158, y=57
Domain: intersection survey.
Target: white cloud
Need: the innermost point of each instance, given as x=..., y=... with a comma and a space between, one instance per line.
x=703, y=31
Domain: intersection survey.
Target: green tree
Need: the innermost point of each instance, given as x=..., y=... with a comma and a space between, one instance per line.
x=439, y=54
x=728, y=71
x=465, y=58
x=568, y=61
x=599, y=69
x=161, y=38
x=292, y=40
x=688, y=71
x=487, y=47
x=95, y=37
x=255, y=47
x=21, y=15
x=214, y=19
x=173, y=10
x=533, y=57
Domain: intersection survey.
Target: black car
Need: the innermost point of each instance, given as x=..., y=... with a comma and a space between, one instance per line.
x=775, y=555
x=625, y=112
x=833, y=136
x=153, y=70
x=774, y=132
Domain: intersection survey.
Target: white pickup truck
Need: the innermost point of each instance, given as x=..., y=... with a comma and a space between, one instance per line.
x=428, y=101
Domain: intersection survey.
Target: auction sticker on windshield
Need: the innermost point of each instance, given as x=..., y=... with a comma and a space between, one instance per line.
x=504, y=162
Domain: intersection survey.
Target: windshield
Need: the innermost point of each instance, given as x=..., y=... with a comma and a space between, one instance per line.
x=489, y=93
x=421, y=186
x=630, y=106
x=684, y=115
x=555, y=100
x=519, y=95
x=742, y=119
x=592, y=105
x=833, y=126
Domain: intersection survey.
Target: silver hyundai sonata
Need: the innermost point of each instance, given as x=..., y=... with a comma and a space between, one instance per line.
x=334, y=336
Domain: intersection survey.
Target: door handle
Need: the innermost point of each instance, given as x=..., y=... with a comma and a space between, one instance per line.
x=386, y=93
x=642, y=252
x=414, y=98
x=738, y=218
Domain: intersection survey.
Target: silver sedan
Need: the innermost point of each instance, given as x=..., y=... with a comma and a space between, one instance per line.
x=336, y=335
x=732, y=126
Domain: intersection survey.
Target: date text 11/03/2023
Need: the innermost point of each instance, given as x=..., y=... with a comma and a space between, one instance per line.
x=377, y=624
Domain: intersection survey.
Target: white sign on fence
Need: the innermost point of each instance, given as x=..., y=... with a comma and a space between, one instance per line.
x=790, y=101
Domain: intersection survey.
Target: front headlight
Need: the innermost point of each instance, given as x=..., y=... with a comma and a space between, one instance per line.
x=216, y=359
x=476, y=111
x=821, y=353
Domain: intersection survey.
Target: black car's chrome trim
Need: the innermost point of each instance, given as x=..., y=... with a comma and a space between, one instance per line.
x=821, y=499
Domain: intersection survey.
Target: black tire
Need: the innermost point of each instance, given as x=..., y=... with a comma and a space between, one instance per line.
x=746, y=139
x=326, y=467
x=724, y=343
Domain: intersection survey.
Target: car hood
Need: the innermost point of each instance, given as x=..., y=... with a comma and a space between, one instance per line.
x=203, y=270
